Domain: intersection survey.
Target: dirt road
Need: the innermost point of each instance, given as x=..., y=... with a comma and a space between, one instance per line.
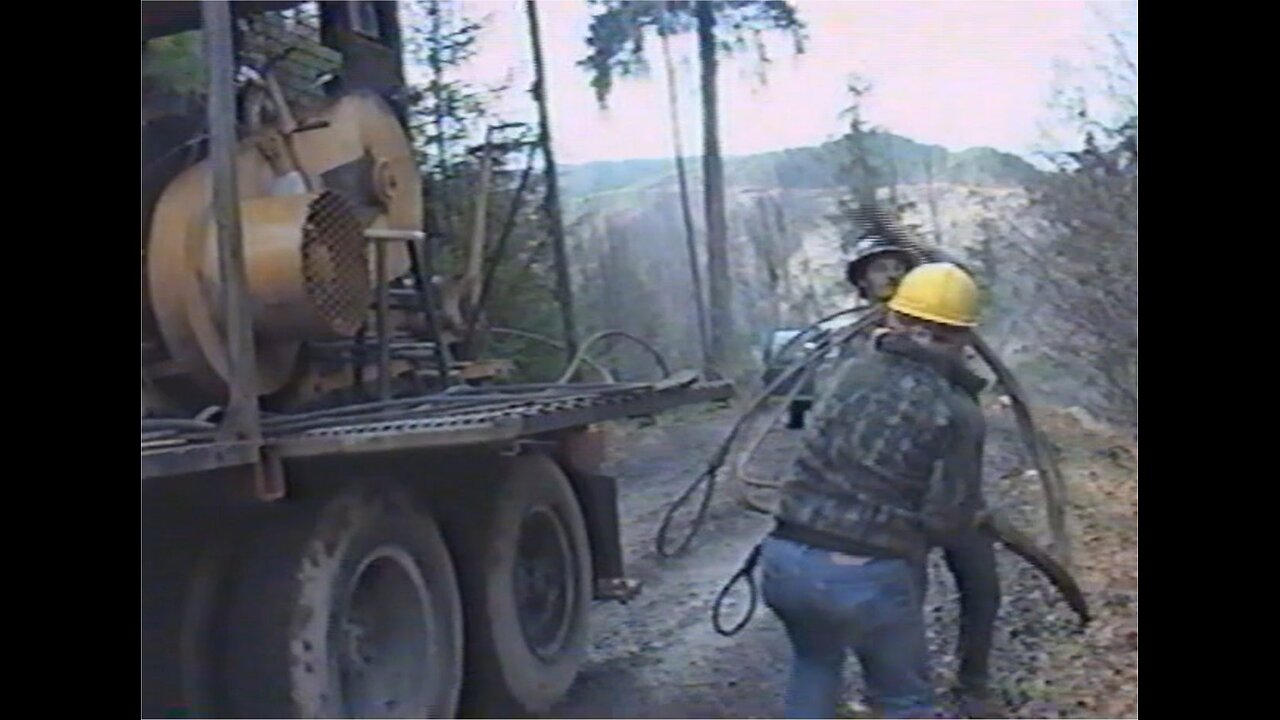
x=659, y=657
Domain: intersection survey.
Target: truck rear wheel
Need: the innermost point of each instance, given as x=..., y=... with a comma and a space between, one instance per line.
x=349, y=611
x=527, y=585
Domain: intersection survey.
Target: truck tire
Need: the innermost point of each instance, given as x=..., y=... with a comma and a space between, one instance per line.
x=527, y=582
x=350, y=609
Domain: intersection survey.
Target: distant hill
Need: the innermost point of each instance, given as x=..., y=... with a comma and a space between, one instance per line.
x=814, y=167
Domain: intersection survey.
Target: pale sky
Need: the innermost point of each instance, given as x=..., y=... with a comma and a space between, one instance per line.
x=956, y=73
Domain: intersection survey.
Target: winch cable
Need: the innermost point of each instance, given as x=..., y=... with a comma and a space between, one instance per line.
x=992, y=522
x=737, y=471
x=1053, y=564
x=707, y=479
x=581, y=355
x=744, y=573
x=880, y=220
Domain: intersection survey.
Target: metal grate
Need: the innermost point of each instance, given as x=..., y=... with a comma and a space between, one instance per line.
x=335, y=263
x=297, y=30
x=482, y=416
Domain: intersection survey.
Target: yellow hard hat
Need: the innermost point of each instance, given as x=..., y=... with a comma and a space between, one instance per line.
x=940, y=293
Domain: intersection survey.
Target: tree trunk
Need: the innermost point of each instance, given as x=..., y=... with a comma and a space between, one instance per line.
x=443, y=206
x=685, y=210
x=479, y=227
x=893, y=179
x=931, y=197
x=721, y=294
x=563, y=288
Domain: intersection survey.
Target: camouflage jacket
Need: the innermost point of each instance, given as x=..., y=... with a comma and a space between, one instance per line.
x=892, y=461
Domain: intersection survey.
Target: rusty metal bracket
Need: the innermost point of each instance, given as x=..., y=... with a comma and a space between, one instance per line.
x=379, y=238
x=527, y=447
x=240, y=421
x=309, y=125
x=583, y=451
x=268, y=476
x=619, y=589
x=395, y=235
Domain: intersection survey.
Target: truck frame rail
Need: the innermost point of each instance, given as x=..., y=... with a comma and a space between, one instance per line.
x=463, y=417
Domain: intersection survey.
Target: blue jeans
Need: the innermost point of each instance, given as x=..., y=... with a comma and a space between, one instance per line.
x=831, y=604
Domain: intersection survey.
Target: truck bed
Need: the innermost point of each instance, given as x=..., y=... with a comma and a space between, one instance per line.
x=461, y=417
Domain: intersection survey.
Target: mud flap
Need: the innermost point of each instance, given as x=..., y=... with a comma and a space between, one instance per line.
x=599, y=497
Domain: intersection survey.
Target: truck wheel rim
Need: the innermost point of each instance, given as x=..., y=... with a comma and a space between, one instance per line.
x=544, y=581
x=382, y=638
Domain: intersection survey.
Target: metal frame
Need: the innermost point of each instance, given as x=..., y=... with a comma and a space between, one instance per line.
x=240, y=421
x=380, y=238
x=239, y=439
x=488, y=427
x=197, y=458
x=493, y=422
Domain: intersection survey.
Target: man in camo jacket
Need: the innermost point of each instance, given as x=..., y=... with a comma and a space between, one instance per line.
x=887, y=469
x=875, y=269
